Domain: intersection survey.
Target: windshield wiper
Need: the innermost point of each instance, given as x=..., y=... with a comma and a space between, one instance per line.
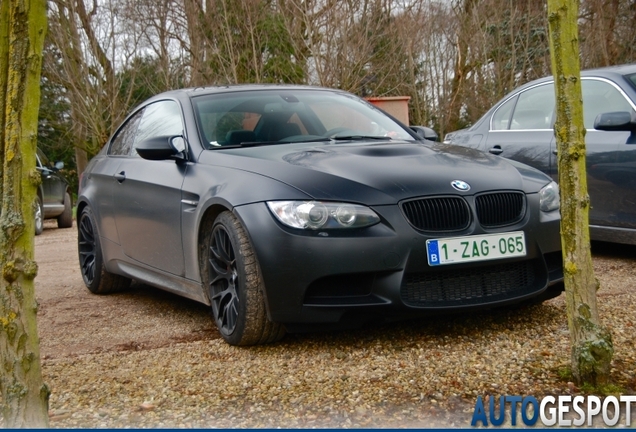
x=360, y=138
x=265, y=143
x=283, y=141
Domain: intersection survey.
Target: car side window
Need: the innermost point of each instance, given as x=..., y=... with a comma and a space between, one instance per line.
x=159, y=119
x=501, y=119
x=534, y=109
x=41, y=160
x=122, y=142
x=601, y=97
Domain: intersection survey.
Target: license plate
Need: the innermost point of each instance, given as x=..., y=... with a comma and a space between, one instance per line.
x=457, y=250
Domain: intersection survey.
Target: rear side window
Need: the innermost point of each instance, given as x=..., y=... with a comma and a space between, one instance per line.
x=501, y=119
x=534, y=109
x=42, y=160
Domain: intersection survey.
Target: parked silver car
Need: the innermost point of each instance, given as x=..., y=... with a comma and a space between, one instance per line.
x=520, y=127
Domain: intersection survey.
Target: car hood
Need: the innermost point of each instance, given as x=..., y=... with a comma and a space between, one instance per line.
x=379, y=173
x=452, y=136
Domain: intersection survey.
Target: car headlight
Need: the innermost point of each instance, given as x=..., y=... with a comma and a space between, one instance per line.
x=549, y=197
x=316, y=215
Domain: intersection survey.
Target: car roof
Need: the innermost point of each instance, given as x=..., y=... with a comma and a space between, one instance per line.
x=199, y=91
x=625, y=69
x=611, y=72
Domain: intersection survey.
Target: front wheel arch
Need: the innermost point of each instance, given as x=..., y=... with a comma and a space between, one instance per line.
x=207, y=220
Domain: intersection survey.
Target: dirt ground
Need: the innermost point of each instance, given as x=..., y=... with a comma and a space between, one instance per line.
x=147, y=358
x=72, y=321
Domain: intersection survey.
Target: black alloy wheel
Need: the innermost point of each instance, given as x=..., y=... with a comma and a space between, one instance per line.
x=96, y=278
x=223, y=288
x=235, y=284
x=86, y=248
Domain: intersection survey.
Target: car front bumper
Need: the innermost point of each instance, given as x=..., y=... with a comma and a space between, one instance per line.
x=319, y=277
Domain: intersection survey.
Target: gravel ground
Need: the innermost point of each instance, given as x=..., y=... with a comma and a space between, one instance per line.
x=425, y=373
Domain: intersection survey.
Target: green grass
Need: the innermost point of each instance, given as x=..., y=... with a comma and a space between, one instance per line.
x=564, y=372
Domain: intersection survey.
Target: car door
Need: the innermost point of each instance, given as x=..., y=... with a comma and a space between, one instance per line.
x=521, y=128
x=53, y=187
x=611, y=157
x=102, y=172
x=147, y=195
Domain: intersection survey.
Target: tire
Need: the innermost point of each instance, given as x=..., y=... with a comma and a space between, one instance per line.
x=39, y=216
x=65, y=220
x=232, y=275
x=96, y=278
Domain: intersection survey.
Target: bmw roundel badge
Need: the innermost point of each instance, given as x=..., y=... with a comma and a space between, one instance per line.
x=460, y=185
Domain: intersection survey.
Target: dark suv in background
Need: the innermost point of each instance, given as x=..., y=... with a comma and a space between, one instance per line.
x=53, y=199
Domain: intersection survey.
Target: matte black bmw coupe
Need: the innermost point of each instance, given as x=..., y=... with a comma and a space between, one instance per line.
x=287, y=208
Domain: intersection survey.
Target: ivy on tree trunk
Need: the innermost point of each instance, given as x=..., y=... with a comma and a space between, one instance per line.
x=24, y=394
x=591, y=343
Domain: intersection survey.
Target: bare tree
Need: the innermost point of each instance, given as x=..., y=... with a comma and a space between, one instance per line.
x=239, y=41
x=90, y=45
x=24, y=394
x=607, y=32
x=592, y=347
x=378, y=47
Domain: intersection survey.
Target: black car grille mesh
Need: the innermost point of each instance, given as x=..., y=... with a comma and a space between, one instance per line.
x=437, y=214
x=462, y=287
x=499, y=209
x=441, y=214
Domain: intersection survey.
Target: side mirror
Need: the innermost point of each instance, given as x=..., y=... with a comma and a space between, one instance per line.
x=425, y=133
x=616, y=121
x=162, y=148
x=59, y=165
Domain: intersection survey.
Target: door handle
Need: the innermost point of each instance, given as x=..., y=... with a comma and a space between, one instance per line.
x=120, y=177
x=496, y=150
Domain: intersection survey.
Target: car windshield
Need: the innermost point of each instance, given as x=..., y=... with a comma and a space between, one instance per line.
x=263, y=117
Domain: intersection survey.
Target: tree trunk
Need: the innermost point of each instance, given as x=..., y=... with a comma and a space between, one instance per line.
x=24, y=394
x=81, y=160
x=462, y=64
x=592, y=347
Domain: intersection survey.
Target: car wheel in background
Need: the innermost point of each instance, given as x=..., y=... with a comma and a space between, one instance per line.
x=232, y=274
x=65, y=220
x=96, y=278
x=39, y=216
